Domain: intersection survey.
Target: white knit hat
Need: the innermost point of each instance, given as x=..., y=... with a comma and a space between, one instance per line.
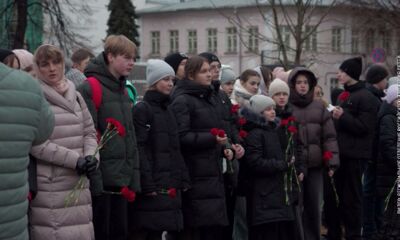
x=258, y=103
x=392, y=93
x=278, y=86
x=156, y=70
x=394, y=80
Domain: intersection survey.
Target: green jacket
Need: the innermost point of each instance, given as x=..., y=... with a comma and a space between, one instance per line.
x=119, y=161
x=25, y=120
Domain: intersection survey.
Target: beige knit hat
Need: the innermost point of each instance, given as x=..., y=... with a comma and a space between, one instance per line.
x=278, y=86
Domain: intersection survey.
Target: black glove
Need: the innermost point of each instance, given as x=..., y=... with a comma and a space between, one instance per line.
x=91, y=164
x=81, y=166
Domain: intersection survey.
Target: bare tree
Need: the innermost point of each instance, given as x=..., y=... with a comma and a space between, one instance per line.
x=60, y=25
x=296, y=15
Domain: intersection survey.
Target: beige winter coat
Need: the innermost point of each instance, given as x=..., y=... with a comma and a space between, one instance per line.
x=74, y=136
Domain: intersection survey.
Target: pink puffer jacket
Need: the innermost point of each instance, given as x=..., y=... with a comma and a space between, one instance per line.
x=74, y=136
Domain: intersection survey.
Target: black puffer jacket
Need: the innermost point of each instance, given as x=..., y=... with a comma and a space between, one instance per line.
x=264, y=167
x=196, y=113
x=387, y=161
x=378, y=94
x=357, y=126
x=162, y=165
x=119, y=159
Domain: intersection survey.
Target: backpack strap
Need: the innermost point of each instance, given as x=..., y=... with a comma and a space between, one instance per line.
x=97, y=92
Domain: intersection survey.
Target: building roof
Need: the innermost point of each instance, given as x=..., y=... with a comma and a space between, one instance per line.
x=213, y=4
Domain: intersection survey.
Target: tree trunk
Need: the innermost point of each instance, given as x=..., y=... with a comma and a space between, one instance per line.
x=22, y=11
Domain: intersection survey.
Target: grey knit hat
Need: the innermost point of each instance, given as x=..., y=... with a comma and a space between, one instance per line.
x=392, y=93
x=227, y=75
x=157, y=70
x=258, y=103
x=278, y=86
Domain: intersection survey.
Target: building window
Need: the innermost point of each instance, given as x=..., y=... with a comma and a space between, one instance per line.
x=370, y=40
x=336, y=39
x=285, y=33
x=311, y=40
x=192, y=41
x=231, y=40
x=173, y=41
x=385, y=36
x=155, y=42
x=253, y=39
x=355, y=41
x=212, y=40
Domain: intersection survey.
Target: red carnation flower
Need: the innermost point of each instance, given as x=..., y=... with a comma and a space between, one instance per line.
x=243, y=133
x=235, y=108
x=172, y=192
x=291, y=119
x=128, y=194
x=292, y=129
x=284, y=122
x=327, y=156
x=221, y=133
x=344, y=96
x=214, y=131
x=242, y=121
x=115, y=124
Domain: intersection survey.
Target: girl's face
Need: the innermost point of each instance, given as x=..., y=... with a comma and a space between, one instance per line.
x=165, y=85
x=51, y=70
x=269, y=114
x=203, y=77
x=228, y=87
x=281, y=99
x=302, y=86
x=252, y=84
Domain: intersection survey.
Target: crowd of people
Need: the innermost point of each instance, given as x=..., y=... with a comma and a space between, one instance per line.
x=206, y=154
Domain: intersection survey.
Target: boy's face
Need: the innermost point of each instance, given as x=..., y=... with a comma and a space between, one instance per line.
x=343, y=78
x=120, y=65
x=228, y=87
x=269, y=114
x=215, y=67
x=82, y=65
x=180, y=72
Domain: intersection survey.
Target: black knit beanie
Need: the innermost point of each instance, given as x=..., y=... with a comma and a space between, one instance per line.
x=352, y=67
x=211, y=57
x=174, y=59
x=376, y=73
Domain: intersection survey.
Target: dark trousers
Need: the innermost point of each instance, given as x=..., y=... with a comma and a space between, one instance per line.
x=201, y=233
x=145, y=235
x=110, y=217
x=230, y=198
x=372, y=205
x=273, y=231
x=349, y=188
x=331, y=210
x=311, y=201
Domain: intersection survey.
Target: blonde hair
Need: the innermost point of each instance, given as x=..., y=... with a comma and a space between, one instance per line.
x=119, y=45
x=48, y=52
